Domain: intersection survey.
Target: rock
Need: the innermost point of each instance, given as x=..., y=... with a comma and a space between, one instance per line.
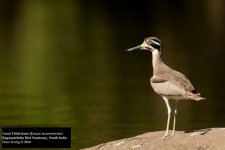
x=204, y=139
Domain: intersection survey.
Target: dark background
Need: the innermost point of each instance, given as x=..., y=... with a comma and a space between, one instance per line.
x=63, y=64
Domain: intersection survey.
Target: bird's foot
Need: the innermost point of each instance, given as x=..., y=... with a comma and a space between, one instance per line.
x=165, y=136
x=172, y=134
x=161, y=138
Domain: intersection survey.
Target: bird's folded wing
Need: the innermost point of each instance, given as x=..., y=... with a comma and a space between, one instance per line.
x=166, y=87
x=176, y=78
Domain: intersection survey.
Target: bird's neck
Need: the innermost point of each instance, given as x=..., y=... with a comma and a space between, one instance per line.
x=157, y=62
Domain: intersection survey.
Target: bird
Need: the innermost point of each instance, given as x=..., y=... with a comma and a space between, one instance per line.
x=167, y=82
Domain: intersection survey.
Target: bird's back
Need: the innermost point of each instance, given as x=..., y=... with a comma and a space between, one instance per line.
x=171, y=83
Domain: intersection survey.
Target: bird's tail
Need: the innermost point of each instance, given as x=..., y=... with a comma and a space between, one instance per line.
x=196, y=97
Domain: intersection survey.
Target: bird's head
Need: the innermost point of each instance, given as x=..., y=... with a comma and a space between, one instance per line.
x=149, y=44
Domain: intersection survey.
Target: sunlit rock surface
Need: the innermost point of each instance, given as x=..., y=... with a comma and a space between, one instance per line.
x=204, y=139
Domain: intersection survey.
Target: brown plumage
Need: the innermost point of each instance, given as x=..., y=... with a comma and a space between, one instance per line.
x=171, y=83
x=166, y=82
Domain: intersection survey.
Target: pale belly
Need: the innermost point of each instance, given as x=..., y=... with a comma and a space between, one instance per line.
x=169, y=90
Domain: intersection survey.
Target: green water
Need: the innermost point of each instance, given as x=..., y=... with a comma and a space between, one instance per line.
x=64, y=64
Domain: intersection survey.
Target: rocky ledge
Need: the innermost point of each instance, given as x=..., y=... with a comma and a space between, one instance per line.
x=204, y=139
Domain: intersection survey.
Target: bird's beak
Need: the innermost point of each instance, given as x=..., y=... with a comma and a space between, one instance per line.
x=134, y=48
x=143, y=46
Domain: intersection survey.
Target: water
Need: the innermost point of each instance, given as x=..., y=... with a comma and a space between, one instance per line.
x=64, y=64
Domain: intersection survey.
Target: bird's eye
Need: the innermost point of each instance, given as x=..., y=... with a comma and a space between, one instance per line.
x=156, y=46
x=148, y=41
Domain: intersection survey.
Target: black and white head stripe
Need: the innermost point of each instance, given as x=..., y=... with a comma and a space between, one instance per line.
x=154, y=42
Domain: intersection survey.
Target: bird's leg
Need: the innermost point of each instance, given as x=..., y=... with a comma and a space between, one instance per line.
x=174, y=119
x=168, y=119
